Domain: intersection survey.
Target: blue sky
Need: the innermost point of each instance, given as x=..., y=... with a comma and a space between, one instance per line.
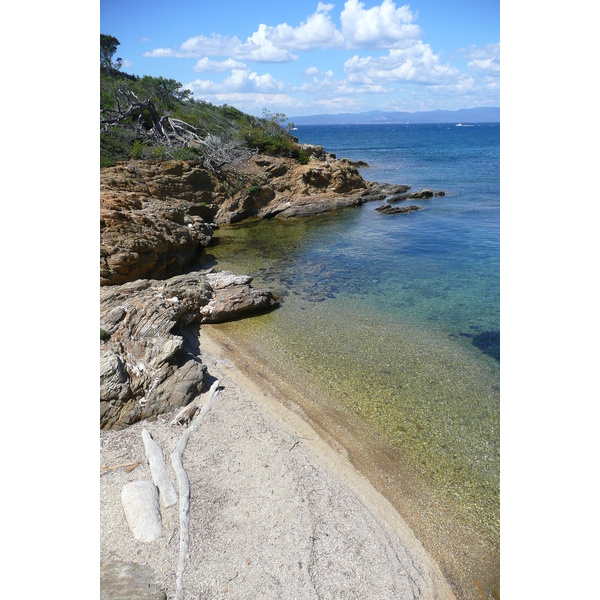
x=309, y=57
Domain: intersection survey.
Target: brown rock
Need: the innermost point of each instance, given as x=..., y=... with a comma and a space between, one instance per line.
x=152, y=218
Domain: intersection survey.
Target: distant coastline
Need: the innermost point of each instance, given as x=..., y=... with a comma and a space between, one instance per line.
x=465, y=115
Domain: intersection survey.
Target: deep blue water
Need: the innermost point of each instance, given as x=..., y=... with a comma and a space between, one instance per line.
x=441, y=264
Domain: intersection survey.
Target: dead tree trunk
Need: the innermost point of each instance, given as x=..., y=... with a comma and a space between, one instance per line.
x=173, y=132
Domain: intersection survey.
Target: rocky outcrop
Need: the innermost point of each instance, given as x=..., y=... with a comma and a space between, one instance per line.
x=149, y=357
x=156, y=217
x=387, y=209
x=283, y=187
x=425, y=194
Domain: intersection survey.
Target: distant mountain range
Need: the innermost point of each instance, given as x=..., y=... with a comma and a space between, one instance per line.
x=464, y=115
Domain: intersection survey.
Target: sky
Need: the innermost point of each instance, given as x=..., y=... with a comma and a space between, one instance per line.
x=311, y=57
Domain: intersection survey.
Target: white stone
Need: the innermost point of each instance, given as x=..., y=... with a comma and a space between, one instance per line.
x=142, y=511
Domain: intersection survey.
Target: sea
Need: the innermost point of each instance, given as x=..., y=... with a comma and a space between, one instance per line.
x=389, y=326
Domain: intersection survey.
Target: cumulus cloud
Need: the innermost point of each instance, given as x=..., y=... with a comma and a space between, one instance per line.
x=383, y=26
x=407, y=62
x=317, y=74
x=240, y=81
x=273, y=44
x=323, y=83
x=160, y=52
x=206, y=65
x=416, y=64
x=317, y=32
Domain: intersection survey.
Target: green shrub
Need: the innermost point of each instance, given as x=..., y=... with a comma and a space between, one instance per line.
x=137, y=150
x=115, y=145
x=104, y=335
x=185, y=153
x=302, y=157
x=156, y=152
x=254, y=190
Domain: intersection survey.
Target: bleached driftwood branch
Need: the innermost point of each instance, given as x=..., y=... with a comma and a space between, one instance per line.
x=166, y=489
x=184, y=488
x=185, y=415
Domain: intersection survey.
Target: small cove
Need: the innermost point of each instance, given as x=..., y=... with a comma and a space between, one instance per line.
x=392, y=322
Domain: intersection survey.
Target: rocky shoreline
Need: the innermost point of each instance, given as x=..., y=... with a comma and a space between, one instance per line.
x=334, y=533
x=156, y=219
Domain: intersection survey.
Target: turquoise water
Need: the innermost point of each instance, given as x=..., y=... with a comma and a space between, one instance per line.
x=395, y=319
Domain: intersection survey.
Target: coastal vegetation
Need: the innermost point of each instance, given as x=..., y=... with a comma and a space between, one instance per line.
x=156, y=118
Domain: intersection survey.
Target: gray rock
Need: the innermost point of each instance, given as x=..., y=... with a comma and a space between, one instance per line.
x=151, y=363
x=425, y=194
x=120, y=580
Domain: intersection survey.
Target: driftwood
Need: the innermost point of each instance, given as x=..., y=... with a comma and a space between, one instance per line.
x=185, y=415
x=167, y=493
x=184, y=488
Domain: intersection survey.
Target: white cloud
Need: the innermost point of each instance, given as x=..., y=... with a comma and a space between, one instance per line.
x=486, y=59
x=417, y=64
x=257, y=48
x=267, y=44
x=160, y=52
x=261, y=48
x=324, y=84
x=240, y=81
x=254, y=103
x=215, y=45
x=407, y=62
x=383, y=26
x=316, y=73
x=317, y=32
x=206, y=65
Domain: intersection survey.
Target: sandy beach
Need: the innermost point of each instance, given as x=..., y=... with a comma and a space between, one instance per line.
x=275, y=512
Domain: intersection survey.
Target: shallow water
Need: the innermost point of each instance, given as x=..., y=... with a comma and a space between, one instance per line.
x=395, y=319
